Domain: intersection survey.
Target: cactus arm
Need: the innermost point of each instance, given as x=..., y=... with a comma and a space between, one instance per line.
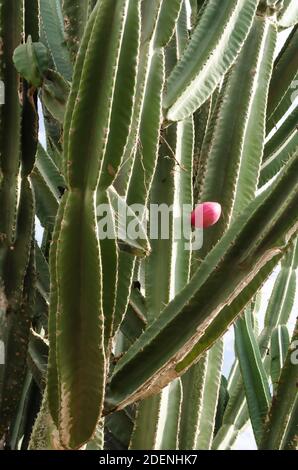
x=38, y=351
x=182, y=35
x=281, y=136
x=48, y=184
x=44, y=434
x=282, y=298
x=194, y=11
x=17, y=429
x=17, y=336
x=288, y=16
x=138, y=305
x=18, y=266
x=31, y=61
x=146, y=158
x=236, y=170
x=42, y=273
x=282, y=406
x=157, y=270
x=274, y=226
x=123, y=217
x=213, y=112
x=171, y=430
x=130, y=37
x=53, y=131
x=279, y=345
x=290, y=436
x=282, y=109
x=192, y=383
x=288, y=93
x=222, y=402
x=18, y=257
x=10, y=117
x=149, y=17
x=119, y=426
x=201, y=117
x=151, y=12
x=197, y=427
x=253, y=374
x=145, y=427
x=168, y=15
x=19, y=275
x=41, y=311
x=50, y=172
x=97, y=442
x=161, y=192
x=285, y=71
x=184, y=196
x=126, y=267
x=251, y=156
x=210, y=391
x=133, y=325
x=109, y=267
x=124, y=97
x=278, y=311
x=55, y=91
x=144, y=165
x=52, y=26
x=157, y=282
x=272, y=165
x=75, y=14
x=235, y=414
x=92, y=136
x=73, y=95
x=123, y=178
x=211, y=333
x=198, y=73
x=253, y=143
x=235, y=418
x=46, y=202
x=80, y=385
x=52, y=375
x=29, y=130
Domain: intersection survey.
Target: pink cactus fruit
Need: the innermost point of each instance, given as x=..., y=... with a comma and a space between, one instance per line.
x=206, y=214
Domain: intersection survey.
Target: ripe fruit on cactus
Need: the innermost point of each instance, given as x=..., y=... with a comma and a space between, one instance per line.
x=206, y=214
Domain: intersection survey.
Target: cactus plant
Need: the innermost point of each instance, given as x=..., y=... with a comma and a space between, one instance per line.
x=155, y=111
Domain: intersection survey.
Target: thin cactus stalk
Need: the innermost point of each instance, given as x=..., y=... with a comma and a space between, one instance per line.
x=277, y=315
x=275, y=437
x=141, y=221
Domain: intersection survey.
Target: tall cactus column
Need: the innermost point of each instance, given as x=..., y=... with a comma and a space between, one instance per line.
x=76, y=390
x=18, y=265
x=151, y=171
x=10, y=112
x=10, y=148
